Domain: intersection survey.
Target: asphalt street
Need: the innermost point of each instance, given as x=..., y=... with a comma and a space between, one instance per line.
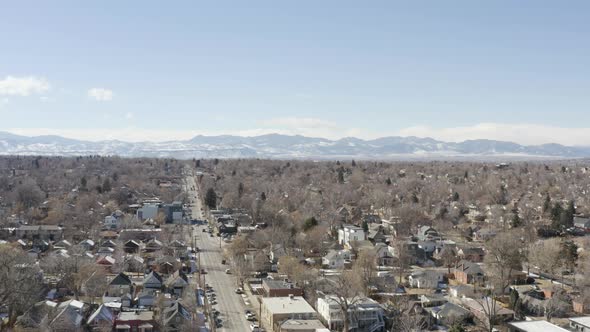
x=230, y=304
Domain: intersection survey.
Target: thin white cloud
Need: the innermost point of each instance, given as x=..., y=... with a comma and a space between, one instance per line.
x=23, y=86
x=100, y=94
x=528, y=134
x=129, y=115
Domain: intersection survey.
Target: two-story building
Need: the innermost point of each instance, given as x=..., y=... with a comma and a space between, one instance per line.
x=40, y=232
x=275, y=310
x=349, y=234
x=113, y=221
x=365, y=315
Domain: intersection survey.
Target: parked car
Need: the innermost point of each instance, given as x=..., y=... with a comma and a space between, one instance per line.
x=254, y=328
x=227, y=271
x=239, y=291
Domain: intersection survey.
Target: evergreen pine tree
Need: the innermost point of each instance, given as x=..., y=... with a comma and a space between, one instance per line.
x=211, y=198
x=340, y=176
x=106, y=185
x=240, y=189
x=547, y=203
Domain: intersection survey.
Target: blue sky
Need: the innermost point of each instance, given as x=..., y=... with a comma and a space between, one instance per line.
x=149, y=70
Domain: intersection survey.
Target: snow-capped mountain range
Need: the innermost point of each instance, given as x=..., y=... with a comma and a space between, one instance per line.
x=287, y=147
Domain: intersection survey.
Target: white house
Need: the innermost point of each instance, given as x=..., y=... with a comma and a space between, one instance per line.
x=350, y=233
x=335, y=259
x=365, y=315
x=113, y=221
x=427, y=279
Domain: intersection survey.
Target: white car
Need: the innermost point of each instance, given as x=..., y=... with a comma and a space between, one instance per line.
x=254, y=328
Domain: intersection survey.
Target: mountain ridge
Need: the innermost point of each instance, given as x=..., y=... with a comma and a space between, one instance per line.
x=278, y=146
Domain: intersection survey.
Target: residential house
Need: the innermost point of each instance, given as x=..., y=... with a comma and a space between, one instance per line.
x=428, y=248
x=153, y=245
x=343, y=214
x=472, y=254
x=105, y=251
x=87, y=244
x=176, y=283
x=449, y=313
x=101, y=318
x=469, y=273
x=131, y=247
x=276, y=251
x=106, y=261
x=69, y=317
x=335, y=259
x=384, y=255
x=176, y=316
x=365, y=315
x=121, y=284
x=166, y=264
x=484, y=307
x=461, y=290
x=126, y=300
x=108, y=243
x=140, y=234
x=432, y=300
x=280, y=288
x=278, y=309
x=427, y=233
x=376, y=234
x=136, y=321
x=39, y=232
x=134, y=263
x=145, y=299
x=349, y=234
x=36, y=316
x=430, y=279
x=411, y=250
x=113, y=221
x=62, y=244
x=179, y=248
x=152, y=281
